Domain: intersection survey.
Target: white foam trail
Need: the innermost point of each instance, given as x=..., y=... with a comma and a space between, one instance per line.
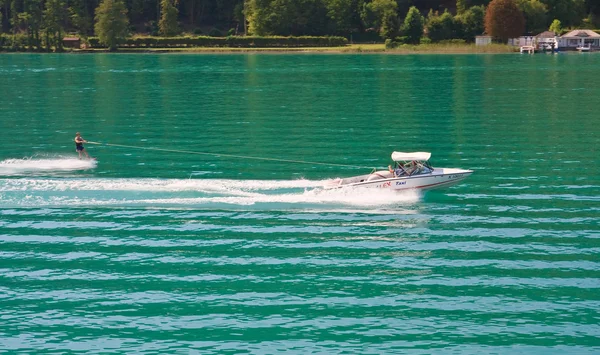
x=10, y=167
x=154, y=185
x=189, y=193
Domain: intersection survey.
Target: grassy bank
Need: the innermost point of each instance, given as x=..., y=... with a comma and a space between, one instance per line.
x=443, y=48
x=351, y=48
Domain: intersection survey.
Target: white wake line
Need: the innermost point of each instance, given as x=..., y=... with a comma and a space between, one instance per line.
x=315, y=197
x=155, y=185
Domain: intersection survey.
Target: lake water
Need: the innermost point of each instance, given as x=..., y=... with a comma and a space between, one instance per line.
x=169, y=251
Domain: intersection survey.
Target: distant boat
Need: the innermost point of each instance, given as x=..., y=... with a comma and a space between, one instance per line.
x=585, y=48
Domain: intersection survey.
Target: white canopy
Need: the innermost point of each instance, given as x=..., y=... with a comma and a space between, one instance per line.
x=401, y=156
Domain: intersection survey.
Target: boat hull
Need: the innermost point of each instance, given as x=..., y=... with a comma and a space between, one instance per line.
x=437, y=179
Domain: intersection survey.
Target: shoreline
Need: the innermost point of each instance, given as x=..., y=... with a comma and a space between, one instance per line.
x=377, y=48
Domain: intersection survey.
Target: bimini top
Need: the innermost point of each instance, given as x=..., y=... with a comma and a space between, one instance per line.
x=401, y=156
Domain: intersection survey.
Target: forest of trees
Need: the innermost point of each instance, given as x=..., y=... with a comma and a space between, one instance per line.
x=48, y=20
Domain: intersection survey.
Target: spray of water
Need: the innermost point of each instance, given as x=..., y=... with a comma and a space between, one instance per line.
x=28, y=166
x=204, y=193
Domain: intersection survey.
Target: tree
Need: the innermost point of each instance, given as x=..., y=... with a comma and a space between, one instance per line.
x=441, y=27
x=389, y=25
x=80, y=19
x=111, y=22
x=569, y=12
x=504, y=20
x=373, y=12
x=168, y=19
x=555, y=26
x=286, y=17
x=471, y=23
x=413, y=26
x=30, y=19
x=536, y=15
x=461, y=6
x=339, y=13
x=54, y=22
x=136, y=11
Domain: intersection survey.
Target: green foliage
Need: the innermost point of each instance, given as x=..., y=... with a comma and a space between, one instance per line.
x=339, y=15
x=401, y=40
x=569, y=12
x=470, y=23
x=168, y=19
x=215, y=33
x=413, y=26
x=31, y=20
x=504, y=20
x=536, y=15
x=80, y=19
x=556, y=26
x=372, y=14
x=461, y=6
x=590, y=22
x=111, y=22
x=13, y=42
x=379, y=7
x=367, y=16
x=136, y=11
x=54, y=21
x=232, y=41
x=46, y=21
x=390, y=25
x=441, y=27
x=453, y=41
x=286, y=17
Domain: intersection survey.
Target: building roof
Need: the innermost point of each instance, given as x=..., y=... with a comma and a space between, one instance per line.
x=71, y=39
x=581, y=34
x=547, y=34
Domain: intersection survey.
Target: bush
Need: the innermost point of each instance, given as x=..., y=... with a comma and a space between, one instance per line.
x=152, y=28
x=232, y=41
x=231, y=32
x=19, y=42
x=197, y=31
x=215, y=33
x=425, y=40
x=401, y=40
x=453, y=41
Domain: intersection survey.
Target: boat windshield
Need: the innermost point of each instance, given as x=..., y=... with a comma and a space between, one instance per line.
x=414, y=167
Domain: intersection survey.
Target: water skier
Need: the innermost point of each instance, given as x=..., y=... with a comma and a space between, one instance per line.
x=79, y=145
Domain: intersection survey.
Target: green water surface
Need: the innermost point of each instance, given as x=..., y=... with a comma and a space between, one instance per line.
x=156, y=251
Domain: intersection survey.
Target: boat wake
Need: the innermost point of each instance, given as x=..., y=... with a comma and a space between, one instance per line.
x=193, y=193
x=33, y=166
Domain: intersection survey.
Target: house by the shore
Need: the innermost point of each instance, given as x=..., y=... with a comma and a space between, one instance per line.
x=579, y=38
x=526, y=40
x=546, y=40
x=72, y=42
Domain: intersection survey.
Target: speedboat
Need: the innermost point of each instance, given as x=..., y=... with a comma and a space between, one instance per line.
x=410, y=171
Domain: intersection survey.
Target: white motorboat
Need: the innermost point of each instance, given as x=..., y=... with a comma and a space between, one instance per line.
x=585, y=48
x=410, y=171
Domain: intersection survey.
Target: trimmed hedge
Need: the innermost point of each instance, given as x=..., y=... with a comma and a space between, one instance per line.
x=232, y=41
